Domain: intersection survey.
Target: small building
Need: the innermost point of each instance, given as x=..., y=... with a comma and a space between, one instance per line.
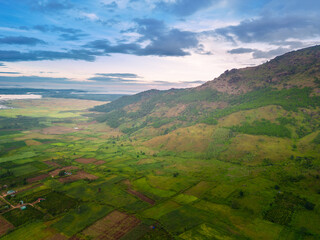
x=10, y=192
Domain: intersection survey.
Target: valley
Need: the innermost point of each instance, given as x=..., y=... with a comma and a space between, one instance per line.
x=236, y=158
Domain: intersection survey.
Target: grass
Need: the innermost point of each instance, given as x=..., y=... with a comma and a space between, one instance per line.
x=34, y=231
x=263, y=127
x=23, y=170
x=81, y=217
x=22, y=155
x=184, y=199
x=56, y=203
x=161, y=209
x=194, y=173
x=18, y=217
x=143, y=186
x=206, y=231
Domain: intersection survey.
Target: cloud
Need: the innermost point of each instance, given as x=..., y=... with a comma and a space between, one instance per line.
x=90, y=16
x=164, y=41
x=10, y=73
x=116, y=77
x=111, y=6
x=111, y=80
x=196, y=82
x=2, y=65
x=159, y=39
x=241, y=50
x=183, y=8
x=30, y=79
x=50, y=5
x=68, y=34
x=271, y=29
x=105, y=45
x=122, y=75
x=257, y=54
x=21, y=41
x=270, y=54
x=16, y=56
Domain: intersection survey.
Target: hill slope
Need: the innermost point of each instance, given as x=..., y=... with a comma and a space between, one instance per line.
x=290, y=81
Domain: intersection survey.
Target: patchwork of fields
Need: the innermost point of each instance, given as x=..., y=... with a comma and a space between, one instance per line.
x=80, y=179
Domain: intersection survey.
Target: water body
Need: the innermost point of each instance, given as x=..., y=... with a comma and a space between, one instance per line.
x=8, y=97
x=19, y=96
x=4, y=107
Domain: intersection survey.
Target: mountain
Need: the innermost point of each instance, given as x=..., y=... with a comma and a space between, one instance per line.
x=290, y=82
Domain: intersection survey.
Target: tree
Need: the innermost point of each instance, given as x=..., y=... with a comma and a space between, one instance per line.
x=61, y=173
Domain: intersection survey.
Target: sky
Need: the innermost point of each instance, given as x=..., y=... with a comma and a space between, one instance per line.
x=129, y=46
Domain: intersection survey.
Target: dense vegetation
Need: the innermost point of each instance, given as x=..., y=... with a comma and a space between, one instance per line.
x=199, y=163
x=263, y=127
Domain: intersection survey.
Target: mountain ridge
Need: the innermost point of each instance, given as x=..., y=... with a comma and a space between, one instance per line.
x=280, y=81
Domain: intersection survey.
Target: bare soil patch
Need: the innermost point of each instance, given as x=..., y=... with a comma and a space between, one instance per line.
x=31, y=142
x=56, y=172
x=77, y=176
x=51, y=163
x=112, y=227
x=58, y=130
x=87, y=123
x=136, y=193
x=57, y=236
x=86, y=160
x=99, y=162
x=29, y=187
x=5, y=226
x=141, y=196
x=37, y=178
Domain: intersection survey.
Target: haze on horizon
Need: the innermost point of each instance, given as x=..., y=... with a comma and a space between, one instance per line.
x=127, y=46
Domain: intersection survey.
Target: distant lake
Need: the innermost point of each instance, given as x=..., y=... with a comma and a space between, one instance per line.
x=19, y=96
x=4, y=107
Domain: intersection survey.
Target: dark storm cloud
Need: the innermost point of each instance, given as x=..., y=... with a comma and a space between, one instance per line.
x=183, y=8
x=162, y=41
x=16, y=56
x=50, y=5
x=272, y=29
x=20, y=40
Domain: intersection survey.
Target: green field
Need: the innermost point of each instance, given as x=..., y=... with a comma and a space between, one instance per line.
x=80, y=218
x=179, y=164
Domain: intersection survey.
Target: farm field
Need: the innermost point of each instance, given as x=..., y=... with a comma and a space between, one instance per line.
x=136, y=170
x=84, y=181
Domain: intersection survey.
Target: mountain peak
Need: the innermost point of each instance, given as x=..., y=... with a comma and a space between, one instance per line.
x=294, y=69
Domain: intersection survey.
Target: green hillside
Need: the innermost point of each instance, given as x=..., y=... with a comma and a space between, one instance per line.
x=290, y=81
x=235, y=158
